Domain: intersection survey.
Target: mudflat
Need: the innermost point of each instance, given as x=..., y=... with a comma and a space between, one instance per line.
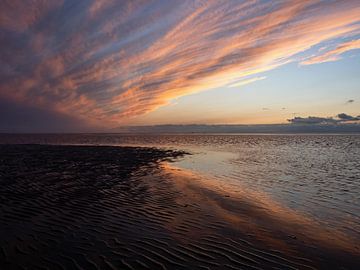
x=107, y=207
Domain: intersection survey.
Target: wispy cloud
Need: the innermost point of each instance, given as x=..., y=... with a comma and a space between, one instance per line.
x=334, y=54
x=247, y=81
x=106, y=61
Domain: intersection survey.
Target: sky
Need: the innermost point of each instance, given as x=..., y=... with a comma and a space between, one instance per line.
x=76, y=65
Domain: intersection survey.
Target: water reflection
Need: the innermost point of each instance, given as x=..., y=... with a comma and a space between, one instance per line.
x=258, y=215
x=317, y=175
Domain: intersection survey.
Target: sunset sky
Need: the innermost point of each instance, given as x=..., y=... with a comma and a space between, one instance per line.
x=110, y=63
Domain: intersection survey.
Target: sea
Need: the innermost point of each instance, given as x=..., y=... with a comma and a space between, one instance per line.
x=316, y=175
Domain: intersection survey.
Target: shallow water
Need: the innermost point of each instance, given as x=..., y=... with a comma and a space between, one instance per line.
x=313, y=180
x=318, y=175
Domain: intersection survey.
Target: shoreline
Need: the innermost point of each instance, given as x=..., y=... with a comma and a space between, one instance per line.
x=97, y=206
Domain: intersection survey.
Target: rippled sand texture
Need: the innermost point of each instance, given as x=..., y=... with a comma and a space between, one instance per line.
x=92, y=207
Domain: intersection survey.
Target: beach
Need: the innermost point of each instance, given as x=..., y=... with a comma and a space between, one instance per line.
x=117, y=207
x=175, y=135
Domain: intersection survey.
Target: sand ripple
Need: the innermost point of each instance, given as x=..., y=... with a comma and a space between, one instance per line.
x=88, y=207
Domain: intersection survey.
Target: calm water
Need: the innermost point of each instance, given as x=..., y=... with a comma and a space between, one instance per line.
x=316, y=175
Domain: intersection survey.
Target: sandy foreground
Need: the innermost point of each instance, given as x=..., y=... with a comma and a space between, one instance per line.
x=104, y=207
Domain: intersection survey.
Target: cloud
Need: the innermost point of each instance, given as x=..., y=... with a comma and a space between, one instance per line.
x=346, y=117
x=334, y=54
x=24, y=118
x=314, y=120
x=108, y=61
x=311, y=120
x=247, y=81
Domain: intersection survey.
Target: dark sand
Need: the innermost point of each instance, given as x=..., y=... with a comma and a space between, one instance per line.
x=101, y=207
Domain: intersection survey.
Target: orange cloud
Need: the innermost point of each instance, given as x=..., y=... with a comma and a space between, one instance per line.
x=247, y=81
x=334, y=54
x=110, y=61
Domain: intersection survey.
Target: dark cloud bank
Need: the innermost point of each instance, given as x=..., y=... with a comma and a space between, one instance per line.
x=19, y=118
x=313, y=120
x=343, y=123
x=16, y=118
x=275, y=128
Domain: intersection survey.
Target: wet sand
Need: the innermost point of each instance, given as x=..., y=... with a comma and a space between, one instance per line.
x=103, y=207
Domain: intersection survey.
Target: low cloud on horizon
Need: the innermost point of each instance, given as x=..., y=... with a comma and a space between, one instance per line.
x=314, y=120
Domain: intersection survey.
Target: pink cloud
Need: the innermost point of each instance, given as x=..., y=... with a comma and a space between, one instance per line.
x=110, y=62
x=334, y=54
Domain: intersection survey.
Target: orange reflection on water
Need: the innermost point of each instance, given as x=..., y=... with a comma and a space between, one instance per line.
x=256, y=214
